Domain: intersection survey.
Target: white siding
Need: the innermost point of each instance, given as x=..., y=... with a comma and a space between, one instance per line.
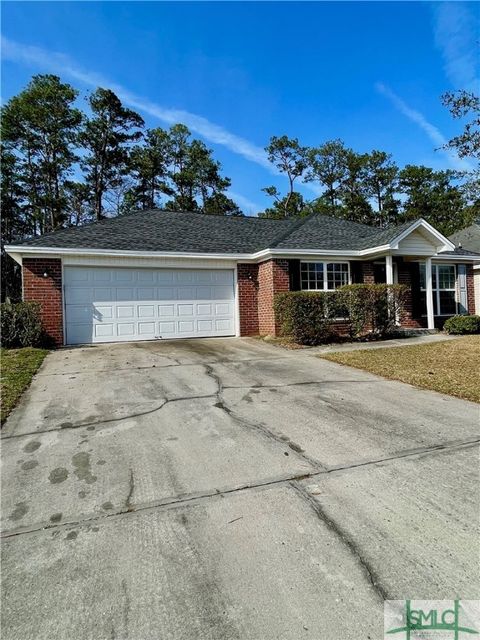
x=476, y=283
x=416, y=243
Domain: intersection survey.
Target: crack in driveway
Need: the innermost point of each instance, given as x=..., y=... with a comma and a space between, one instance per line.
x=215, y=493
x=258, y=427
x=340, y=533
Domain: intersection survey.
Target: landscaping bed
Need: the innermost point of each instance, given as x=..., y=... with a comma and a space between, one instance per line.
x=18, y=367
x=450, y=367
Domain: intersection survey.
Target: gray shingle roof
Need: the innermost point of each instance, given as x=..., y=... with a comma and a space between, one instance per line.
x=170, y=231
x=469, y=238
x=158, y=230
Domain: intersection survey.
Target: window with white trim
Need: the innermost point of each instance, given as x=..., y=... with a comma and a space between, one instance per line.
x=444, y=279
x=322, y=276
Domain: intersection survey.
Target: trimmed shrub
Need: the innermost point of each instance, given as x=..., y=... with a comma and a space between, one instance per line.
x=459, y=325
x=21, y=324
x=373, y=308
x=307, y=317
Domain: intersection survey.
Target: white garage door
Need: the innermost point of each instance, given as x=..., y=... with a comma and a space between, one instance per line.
x=111, y=304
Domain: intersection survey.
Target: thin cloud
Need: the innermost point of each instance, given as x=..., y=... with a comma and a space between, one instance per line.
x=248, y=207
x=59, y=63
x=435, y=135
x=456, y=30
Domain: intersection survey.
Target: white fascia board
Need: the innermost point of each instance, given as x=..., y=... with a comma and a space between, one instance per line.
x=439, y=258
x=17, y=251
x=26, y=250
x=447, y=244
x=59, y=252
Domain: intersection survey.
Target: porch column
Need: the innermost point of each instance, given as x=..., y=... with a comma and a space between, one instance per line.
x=429, y=293
x=388, y=269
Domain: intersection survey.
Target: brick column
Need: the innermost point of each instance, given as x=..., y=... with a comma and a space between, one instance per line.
x=470, y=290
x=47, y=291
x=273, y=277
x=247, y=278
x=405, y=277
x=368, y=273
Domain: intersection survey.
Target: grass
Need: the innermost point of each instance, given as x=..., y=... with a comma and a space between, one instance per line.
x=18, y=369
x=450, y=367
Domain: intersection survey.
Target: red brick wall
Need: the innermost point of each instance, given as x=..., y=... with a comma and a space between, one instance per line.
x=273, y=278
x=368, y=273
x=405, y=277
x=46, y=291
x=470, y=290
x=247, y=275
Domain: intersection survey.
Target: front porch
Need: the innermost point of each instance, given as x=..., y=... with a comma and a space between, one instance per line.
x=437, y=288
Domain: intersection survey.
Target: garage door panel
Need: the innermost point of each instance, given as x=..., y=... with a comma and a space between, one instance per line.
x=104, y=312
x=166, y=310
x=204, y=309
x=146, y=293
x=103, y=330
x=154, y=303
x=166, y=328
x=166, y=293
x=125, y=311
x=126, y=329
x=186, y=293
x=146, y=311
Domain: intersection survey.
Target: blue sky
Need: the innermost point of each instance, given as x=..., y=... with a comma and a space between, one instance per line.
x=370, y=73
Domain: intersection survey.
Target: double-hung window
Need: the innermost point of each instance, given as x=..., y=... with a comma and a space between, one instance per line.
x=444, y=287
x=323, y=276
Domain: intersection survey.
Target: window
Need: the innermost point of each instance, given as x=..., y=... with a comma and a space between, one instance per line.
x=443, y=284
x=317, y=276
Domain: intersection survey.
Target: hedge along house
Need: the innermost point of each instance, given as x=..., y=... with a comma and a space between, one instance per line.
x=157, y=274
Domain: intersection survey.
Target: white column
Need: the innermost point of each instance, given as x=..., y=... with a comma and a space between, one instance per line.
x=429, y=293
x=388, y=269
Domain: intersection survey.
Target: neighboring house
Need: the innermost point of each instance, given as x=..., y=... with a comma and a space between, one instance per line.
x=469, y=239
x=157, y=274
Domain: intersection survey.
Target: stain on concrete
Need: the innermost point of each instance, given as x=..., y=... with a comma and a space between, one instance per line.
x=72, y=535
x=295, y=447
x=92, y=428
x=56, y=517
x=82, y=494
x=32, y=446
x=83, y=471
x=60, y=474
x=107, y=506
x=30, y=464
x=21, y=508
x=172, y=439
x=66, y=425
x=102, y=462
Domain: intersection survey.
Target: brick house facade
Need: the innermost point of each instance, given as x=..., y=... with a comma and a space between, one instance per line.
x=256, y=259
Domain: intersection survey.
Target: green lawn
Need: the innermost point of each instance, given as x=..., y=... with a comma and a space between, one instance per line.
x=450, y=367
x=17, y=369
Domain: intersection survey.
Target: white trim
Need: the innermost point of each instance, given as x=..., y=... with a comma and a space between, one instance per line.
x=429, y=294
x=428, y=227
x=324, y=273
x=236, y=289
x=458, y=258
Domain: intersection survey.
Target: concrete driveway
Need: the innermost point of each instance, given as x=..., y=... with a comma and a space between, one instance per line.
x=225, y=488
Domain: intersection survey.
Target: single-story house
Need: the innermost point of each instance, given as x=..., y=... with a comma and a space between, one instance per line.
x=158, y=274
x=469, y=239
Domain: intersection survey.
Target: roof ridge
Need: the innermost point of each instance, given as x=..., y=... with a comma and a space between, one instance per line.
x=296, y=225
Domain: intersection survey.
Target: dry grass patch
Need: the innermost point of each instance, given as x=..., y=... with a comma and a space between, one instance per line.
x=18, y=368
x=450, y=367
